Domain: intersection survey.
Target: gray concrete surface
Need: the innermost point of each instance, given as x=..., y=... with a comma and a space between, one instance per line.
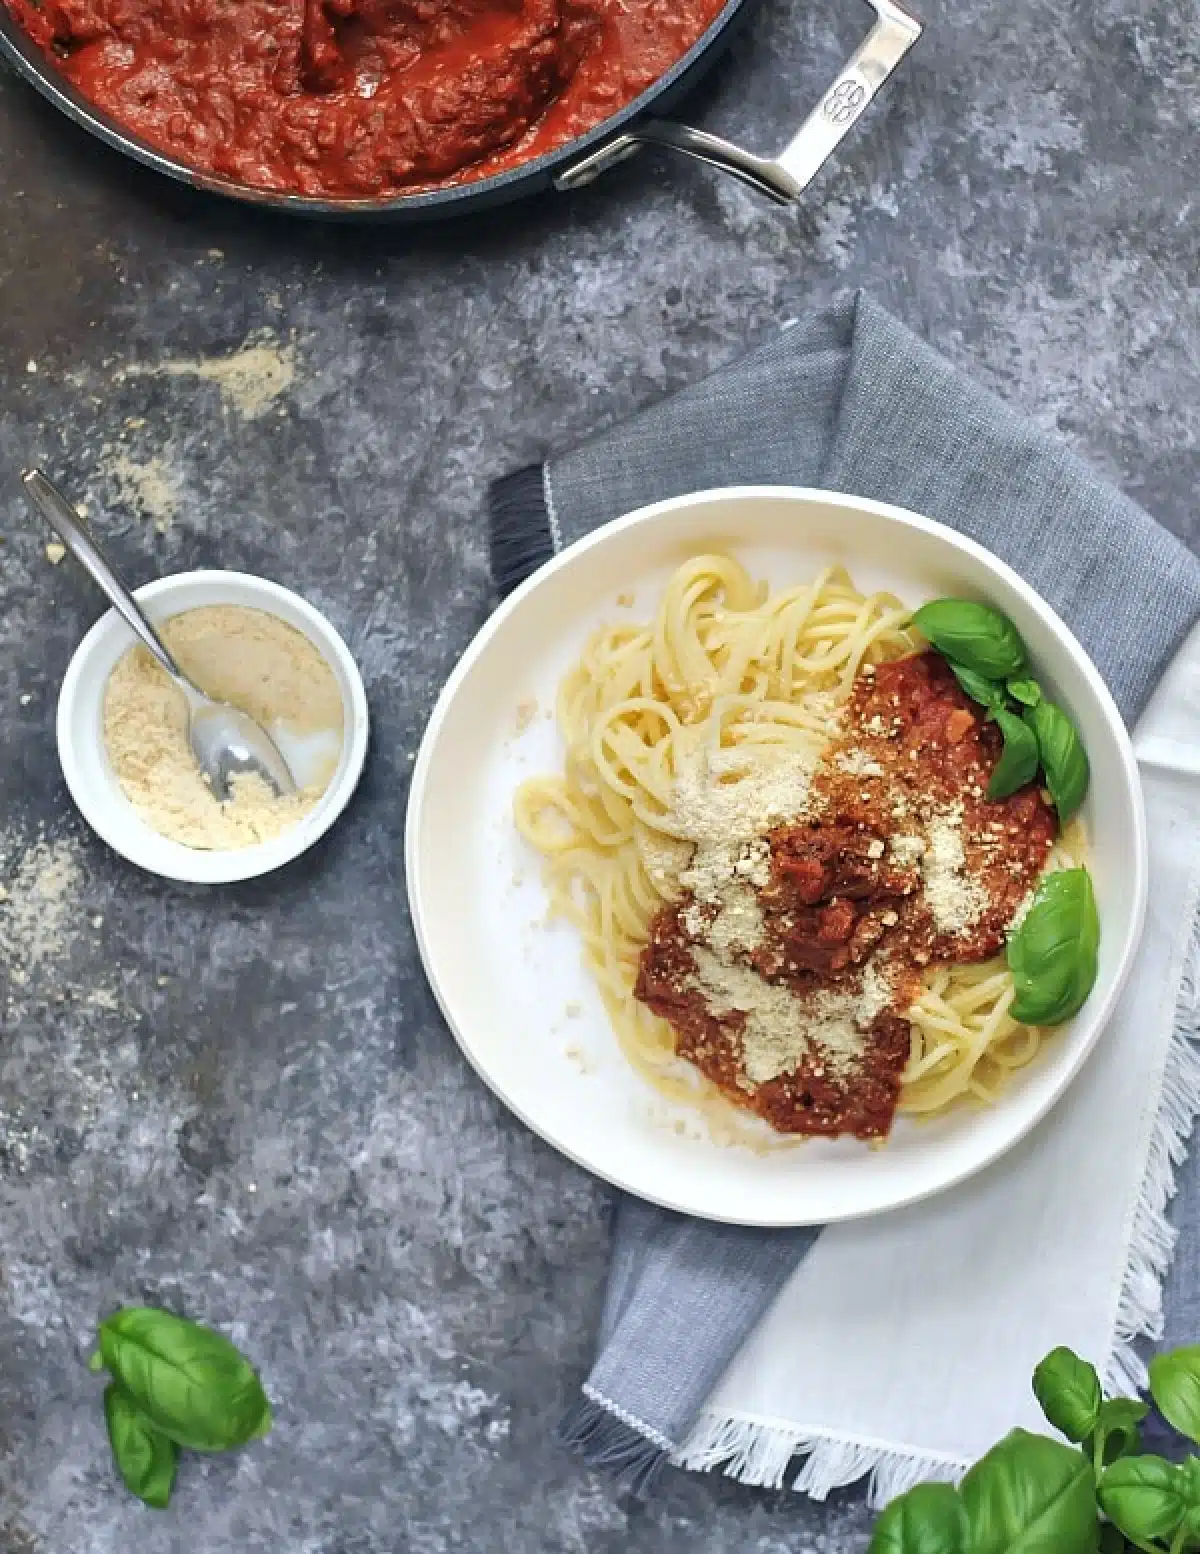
x=243, y=1102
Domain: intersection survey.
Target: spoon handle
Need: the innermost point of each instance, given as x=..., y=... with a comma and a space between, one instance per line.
x=48, y=501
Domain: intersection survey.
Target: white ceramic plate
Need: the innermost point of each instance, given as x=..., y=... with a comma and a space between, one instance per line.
x=505, y=980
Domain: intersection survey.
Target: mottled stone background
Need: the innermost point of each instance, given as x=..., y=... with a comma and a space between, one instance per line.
x=243, y=1103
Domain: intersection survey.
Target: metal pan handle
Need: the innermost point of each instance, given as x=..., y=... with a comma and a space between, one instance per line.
x=783, y=178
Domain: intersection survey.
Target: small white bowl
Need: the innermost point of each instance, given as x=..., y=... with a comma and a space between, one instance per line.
x=84, y=753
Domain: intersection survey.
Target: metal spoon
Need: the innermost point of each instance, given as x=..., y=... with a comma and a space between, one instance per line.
x=226, y=742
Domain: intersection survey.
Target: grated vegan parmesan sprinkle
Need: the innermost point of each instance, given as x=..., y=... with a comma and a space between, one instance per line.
x=907, y=851
x=782, y=1029
x=955, y=899
x=725, y=908
x=737, y=795
x=663, y=857
x=858, y=764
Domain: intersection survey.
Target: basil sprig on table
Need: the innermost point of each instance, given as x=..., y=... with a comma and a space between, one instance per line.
x=146, y=1459
x=1094, y=1493
x=989, y=660
x=174, y=1384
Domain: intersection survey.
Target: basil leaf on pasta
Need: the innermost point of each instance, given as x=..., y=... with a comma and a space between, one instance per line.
x=978, y=687
x=974, y=636
x=1053, y=954
x=1018, y=761
x=1028, y=692
x=1062, y=755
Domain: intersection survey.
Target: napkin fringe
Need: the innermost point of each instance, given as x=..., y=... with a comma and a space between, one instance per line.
x=522, y=524
x=1152, y=1239
x=760, y=1454
x=615, y=1441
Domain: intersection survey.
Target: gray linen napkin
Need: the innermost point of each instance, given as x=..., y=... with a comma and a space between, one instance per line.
x=846, y=400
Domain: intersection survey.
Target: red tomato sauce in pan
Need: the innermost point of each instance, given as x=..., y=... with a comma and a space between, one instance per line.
x=349, y=99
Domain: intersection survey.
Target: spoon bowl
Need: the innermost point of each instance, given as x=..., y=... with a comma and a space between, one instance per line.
x=226, y=742
x=229, y=744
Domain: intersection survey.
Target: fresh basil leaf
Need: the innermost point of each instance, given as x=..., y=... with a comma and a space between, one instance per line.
x=1144, y=1497
x=1018, y=761
x=930, y=1519
x=1190, y=1469
x=1191, y=1527
x=1068, y=1389
x=1053, y=954
x=978, y=687
x=1031, y=1495
x=974, y=636
x=145, y=1458
x=1175, y=1387
x=1063, y=757
x=189, y=1381
x=1027, y=692
x=1117, y=1432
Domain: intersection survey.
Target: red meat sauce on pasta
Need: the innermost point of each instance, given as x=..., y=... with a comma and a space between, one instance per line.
x=362, y=98
x=789, y=993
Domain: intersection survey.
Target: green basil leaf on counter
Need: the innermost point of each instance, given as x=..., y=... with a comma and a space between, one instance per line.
x=189, y=1381
x=930, y=1519
x=978, y=687
x=1053, y=954
x=974, y=636
x=1033, y=1495
x=1144, y=1496
x=1062, y=755
x=1018, y=761
x=1118, y=1432
x=1175, y=1387
x=1027, y=692
x=1068, y=1390
x=145, y=1458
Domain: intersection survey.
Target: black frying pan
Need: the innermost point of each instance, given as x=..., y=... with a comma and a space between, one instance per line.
x=782, y=179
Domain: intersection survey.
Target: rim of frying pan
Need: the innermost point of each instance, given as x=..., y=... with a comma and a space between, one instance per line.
x=37, y=68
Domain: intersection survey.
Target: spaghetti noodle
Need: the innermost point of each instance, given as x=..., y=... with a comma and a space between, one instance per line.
x=716, y=839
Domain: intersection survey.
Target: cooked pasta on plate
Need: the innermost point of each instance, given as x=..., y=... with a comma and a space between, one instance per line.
x=820, y=851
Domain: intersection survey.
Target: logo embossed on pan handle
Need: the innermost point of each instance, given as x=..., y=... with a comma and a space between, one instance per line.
x=783, y=178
